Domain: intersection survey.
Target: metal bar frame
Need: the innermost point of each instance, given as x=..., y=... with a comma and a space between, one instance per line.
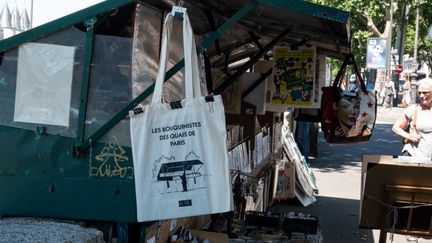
x=61, y=23
x=88, y=53
x=231, y=79
x=299, y=6
x=125, y=111
x=208, y=73
x=256, y=83
x=212, y=24
x=257, y=43
x=310, y=8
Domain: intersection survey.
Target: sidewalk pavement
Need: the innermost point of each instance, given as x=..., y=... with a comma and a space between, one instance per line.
x=387, y=115
x=22, y=229
x=338, y=172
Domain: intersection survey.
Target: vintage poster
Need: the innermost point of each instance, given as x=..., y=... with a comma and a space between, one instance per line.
x=294, y=77
x=376, y=53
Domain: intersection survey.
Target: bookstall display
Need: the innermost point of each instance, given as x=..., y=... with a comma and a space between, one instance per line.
x=80, y=152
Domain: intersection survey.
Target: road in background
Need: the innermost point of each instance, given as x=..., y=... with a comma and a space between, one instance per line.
x=338, y=172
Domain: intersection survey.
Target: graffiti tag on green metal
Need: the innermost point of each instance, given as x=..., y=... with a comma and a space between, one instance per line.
x=110, y=162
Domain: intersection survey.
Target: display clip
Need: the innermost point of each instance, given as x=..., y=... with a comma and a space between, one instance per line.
x=178, y=11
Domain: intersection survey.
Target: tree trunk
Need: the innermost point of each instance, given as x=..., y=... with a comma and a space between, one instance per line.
x=402, y=29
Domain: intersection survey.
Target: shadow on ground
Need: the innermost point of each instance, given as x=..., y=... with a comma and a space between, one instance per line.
x=338, y=218
x=337, y=157
x=338, y=171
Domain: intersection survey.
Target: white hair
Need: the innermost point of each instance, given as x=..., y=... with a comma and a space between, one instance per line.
x=426, y=82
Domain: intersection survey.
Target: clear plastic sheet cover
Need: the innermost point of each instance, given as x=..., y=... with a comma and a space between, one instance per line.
x=44, y=84
x=146, y=45
x=70, y=37
x=147, y=34
x=145, y=57
x=110, y=86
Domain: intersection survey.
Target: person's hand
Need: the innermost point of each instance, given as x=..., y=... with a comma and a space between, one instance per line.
x=415, y=137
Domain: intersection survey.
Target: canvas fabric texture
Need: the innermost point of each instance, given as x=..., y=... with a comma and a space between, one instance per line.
x=180, y=155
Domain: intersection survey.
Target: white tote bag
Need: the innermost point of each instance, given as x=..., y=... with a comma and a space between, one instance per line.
x=180, y=156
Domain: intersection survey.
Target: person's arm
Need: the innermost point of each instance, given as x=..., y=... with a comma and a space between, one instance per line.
x=400, y=125
x=394, y=90
x=399, y=129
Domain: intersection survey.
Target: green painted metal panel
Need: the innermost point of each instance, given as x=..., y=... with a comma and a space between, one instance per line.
x=61, y=23
x=71, y=198
x=40, y=177
x=204, y=44
x=310, y=9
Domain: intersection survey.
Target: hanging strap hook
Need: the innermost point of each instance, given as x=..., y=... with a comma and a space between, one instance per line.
x=178, y=10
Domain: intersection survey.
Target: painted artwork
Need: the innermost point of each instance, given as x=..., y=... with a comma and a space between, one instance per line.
x=293, y=77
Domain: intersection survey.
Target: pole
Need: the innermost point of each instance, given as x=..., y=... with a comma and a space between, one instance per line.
x=416, y=35
x=414, y=75
x=389, y=40
x=402, y=33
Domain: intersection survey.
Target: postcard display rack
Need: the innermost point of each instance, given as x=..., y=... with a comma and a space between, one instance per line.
x=265, y=160
x=251, y=171
x=269, y=167
x=265, y=169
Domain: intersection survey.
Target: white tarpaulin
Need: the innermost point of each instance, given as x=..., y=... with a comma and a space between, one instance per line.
x=44, y=84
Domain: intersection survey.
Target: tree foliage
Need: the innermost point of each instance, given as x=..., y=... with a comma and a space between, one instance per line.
x=425, y=44
x=371, y=18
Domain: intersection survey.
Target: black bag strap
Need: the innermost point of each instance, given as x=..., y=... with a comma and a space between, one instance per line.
x=349, y=60
x=341, y=72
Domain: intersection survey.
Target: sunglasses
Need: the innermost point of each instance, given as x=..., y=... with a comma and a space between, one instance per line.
x=423, y=92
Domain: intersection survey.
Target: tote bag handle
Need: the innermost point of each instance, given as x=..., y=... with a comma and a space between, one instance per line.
x=191, y=79
x=349, y=58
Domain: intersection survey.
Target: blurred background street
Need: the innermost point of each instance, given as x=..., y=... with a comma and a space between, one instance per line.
x=338, y=172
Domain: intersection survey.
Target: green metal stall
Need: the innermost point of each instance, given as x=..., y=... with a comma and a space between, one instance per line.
x=79, y=164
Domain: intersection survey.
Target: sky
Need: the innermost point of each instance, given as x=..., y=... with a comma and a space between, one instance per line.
x=47, y=10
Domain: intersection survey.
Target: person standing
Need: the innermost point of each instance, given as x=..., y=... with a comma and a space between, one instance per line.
x=352, y=85
x=419, y=136
x=406, y=99
x=389, y=92
x=344, y=84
